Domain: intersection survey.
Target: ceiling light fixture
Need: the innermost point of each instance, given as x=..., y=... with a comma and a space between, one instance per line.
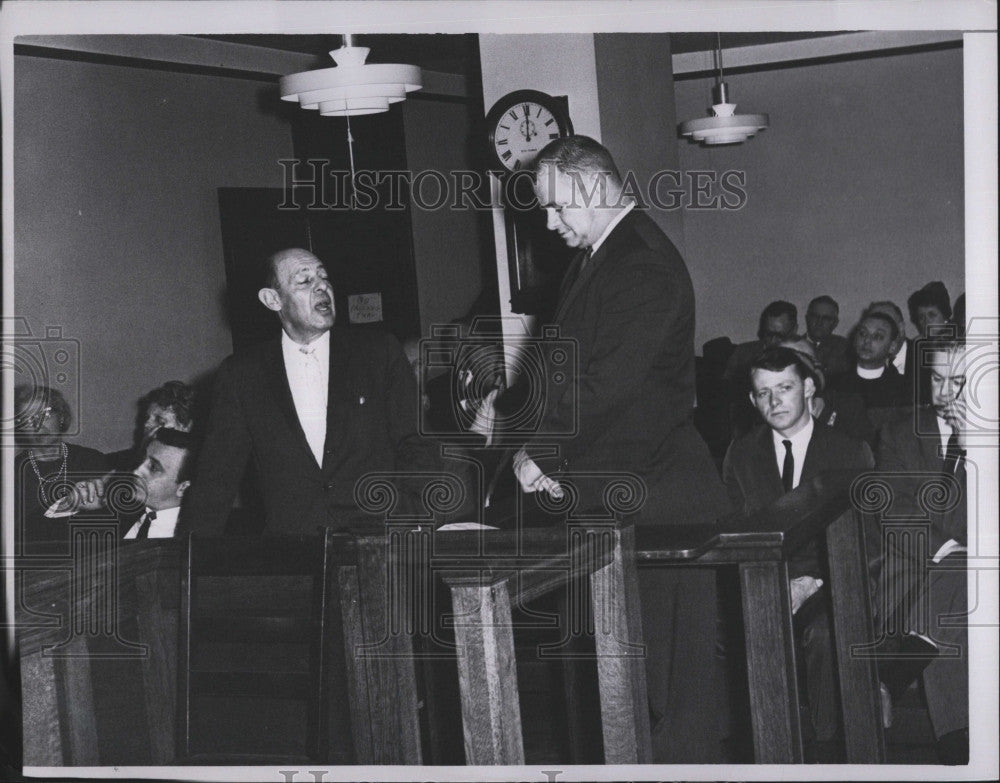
x=352, y=87
x=725, y=126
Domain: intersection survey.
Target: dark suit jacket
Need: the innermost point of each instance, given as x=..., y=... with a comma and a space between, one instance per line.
x=832, y=354
x=630, y=317
x=629, y=409
x=918, y=592
x=371, y=427
x=915, y=460
x=751, y=475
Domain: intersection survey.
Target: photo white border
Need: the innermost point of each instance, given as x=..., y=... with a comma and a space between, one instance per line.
x=24, y=17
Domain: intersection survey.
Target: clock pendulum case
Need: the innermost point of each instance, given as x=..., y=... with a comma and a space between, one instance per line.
x=518, y=126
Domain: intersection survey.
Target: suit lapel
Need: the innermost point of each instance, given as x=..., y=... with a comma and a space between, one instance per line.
x=339, y=393
x=277, y=380
x=574, y=284
x=814, y=453
x=766, y=467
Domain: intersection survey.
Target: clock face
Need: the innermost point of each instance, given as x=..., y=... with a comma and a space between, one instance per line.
x=521, y=124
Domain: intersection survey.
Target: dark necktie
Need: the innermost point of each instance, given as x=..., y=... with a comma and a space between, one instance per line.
x=574, y=271
x=953, y=455
x=144, y=527
x=788, y=468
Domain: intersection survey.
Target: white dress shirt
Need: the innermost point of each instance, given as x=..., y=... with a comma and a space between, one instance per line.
x=800, y=443
x=899, y=360
x=161, y=527
x=307, y=368
x=944, y=432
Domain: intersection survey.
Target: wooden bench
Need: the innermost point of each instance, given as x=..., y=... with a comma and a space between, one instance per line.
x=759, y=545
x=98, y=630
x=100, y=633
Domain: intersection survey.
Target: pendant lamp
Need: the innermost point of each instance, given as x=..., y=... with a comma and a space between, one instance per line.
x=725, y=126
x=352, y=87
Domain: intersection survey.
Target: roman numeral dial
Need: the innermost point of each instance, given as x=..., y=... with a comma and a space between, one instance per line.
x=523, y=122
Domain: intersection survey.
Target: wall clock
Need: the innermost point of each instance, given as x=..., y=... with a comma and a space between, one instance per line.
x=520, y=124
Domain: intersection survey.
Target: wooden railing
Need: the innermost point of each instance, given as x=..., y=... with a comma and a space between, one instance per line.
x=110, y=616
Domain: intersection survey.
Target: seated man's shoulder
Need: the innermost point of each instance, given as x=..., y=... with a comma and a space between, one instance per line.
x=746, y=447
x=839, y=442
x=902, y=424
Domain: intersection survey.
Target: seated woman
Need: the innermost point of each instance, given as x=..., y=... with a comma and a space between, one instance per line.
x=170, y=405
x=46, y=468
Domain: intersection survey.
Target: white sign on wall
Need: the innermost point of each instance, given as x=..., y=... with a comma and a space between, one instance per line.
x=364, y=308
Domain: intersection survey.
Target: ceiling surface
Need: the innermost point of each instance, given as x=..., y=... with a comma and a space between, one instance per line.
x=460, y=53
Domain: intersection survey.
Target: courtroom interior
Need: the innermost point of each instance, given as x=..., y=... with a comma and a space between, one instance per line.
x=154, y=175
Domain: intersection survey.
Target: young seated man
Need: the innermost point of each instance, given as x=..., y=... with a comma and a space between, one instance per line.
x=163, y=477
x=773, y=459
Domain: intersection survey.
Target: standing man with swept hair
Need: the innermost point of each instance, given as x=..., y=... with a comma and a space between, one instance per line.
x=315, y=410
x=627, y=303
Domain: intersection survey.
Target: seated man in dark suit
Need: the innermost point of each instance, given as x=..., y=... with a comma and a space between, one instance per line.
x=316, y=410
x=844, y=411
x=903, y=353
x=766, y=463
x=874, y=377
x=915, y=452
x=779, y=321
x=822, y=318
x=163, y=478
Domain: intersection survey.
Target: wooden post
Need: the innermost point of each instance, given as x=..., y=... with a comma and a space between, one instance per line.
x=157, y=620
x=487, y=672
x=852, y=627
x=774, y=691
x=381, y=673
x=621, y=665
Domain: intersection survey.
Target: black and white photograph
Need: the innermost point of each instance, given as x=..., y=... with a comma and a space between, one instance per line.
x=545, y=390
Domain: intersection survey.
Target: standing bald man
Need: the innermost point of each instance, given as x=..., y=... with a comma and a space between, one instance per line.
x=315, y=411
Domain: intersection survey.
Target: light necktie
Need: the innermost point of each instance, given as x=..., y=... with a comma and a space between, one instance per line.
x=313, y=414
x=788, y=468
x=143, y=531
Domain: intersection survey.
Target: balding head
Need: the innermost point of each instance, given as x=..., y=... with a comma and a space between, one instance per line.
x=299, y=291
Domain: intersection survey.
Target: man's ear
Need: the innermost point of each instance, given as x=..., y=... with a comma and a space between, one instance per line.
x=269, y=298
x=810, y=387
x=182, y=488
x=896, y=345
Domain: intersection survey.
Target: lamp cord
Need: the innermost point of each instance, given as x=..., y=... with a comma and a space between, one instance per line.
x=718, y=53
x=350, y=152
